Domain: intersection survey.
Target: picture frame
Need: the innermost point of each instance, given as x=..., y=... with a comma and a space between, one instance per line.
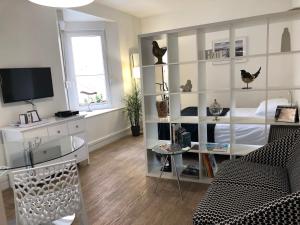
x=221, y=48
x=288, y=114
x=23, y=119
x=34, y=116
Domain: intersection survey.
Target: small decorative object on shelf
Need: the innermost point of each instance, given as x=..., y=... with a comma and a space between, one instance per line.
x=286, y=40
x=158, y=52
x=162, y=108
x=248, y=77
x=180, y=136
x=187, y=87
x=215, y=109
x=287, y=114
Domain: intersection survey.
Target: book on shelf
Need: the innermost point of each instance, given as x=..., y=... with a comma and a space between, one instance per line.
x=210, y=164
x=207, y=165
x=217, y=147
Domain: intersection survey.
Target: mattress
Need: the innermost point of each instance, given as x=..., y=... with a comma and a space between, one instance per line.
x=251, y=134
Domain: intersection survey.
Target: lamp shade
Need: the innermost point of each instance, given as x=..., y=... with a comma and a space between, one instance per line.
x=62, y=3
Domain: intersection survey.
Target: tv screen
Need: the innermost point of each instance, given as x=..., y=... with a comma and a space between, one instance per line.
x=23, y=84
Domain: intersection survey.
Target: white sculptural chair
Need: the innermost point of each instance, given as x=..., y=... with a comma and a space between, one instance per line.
x=44, y=195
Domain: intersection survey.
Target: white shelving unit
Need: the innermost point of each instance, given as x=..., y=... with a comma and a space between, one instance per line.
x=218, y=79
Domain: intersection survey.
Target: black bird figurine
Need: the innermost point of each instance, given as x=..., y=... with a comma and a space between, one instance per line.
x=158, y=52
x=248, y=77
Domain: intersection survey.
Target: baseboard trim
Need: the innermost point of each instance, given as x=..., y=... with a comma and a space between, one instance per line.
x=98, y=143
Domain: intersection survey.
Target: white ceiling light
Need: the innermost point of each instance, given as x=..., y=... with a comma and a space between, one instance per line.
x=62, y=3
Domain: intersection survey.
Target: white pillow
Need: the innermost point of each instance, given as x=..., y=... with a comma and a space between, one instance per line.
x=272, y=105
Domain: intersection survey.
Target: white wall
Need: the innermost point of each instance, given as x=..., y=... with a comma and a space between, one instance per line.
x=29, y=38
x=210, y=11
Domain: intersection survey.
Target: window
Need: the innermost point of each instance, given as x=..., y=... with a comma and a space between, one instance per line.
x=86, y=67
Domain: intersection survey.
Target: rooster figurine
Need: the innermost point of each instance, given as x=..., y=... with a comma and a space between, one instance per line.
x=248, y=77
x=158, y=52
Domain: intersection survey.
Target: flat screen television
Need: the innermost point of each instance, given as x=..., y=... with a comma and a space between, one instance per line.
x=21, y=84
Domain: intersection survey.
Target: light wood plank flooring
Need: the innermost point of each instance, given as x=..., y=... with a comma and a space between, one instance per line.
x=117, y=192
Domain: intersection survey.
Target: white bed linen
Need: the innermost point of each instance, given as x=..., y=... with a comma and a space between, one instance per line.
x=244, y=133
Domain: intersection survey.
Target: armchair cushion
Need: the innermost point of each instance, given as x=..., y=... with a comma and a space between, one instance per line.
x=224, y=201
x=274, y=153
x=293, y=167
x=254, y=175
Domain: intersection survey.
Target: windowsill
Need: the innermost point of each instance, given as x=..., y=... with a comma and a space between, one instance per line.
x=98, y=112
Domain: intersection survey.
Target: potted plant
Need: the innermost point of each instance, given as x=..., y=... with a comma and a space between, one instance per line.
x=133, y=108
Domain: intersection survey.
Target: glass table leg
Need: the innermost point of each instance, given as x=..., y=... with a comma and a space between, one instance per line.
x=161, y=172
x=177, y=175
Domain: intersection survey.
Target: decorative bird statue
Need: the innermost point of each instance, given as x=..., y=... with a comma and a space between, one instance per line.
x=187, y=87
x=248, y=77
x=158, y=52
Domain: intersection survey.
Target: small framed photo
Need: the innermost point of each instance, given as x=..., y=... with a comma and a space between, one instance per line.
x=23, y=119
x=34, y=116
x=287, y=114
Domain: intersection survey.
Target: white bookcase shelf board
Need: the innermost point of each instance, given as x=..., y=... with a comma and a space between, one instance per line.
x=212, y=57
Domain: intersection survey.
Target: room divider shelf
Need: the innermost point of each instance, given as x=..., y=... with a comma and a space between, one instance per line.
x=212, y=57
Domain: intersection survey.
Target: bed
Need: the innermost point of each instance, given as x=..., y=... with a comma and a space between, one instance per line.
x=254, y=134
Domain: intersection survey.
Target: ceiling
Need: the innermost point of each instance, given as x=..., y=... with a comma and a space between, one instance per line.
x=145, y=8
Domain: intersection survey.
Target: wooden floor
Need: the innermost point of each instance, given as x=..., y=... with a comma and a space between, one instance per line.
x=117, y=192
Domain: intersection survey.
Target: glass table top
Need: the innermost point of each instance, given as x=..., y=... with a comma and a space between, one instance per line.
x=31, y=152
x=170, y=149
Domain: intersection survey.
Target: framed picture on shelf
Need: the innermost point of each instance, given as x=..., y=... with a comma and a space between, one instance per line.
x=34, y=116
x=287, y=114
x=23, y=119
x=221, y=48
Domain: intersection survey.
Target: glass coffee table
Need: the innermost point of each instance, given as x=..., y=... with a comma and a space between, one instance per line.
x=169, y=151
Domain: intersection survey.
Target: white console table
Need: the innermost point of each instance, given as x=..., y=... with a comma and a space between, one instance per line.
x=74, y=125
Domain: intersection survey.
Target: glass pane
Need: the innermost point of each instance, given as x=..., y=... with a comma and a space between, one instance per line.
x=87, y=55
x=91, y=89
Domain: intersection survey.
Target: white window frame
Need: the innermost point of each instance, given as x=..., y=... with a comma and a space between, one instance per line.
x=71, y=84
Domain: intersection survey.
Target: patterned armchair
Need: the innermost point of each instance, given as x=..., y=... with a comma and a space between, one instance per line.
x=260, y=188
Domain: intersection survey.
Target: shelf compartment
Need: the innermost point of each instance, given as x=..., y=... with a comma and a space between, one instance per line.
x=245, y=103
x=251, y=66
x=250, y=38
x=209, y=41
x=276, y=29
x=146, y=45
x=184, y=105
x=209, y=164
x=188, y=166
x=249, y=134
x=211, y=73
x=151, y=113
x=241, y=150
x=284, y=71
x=180, y=73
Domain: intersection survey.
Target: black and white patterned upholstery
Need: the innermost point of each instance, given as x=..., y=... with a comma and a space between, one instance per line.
x=254, y=175
x=261, y=188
